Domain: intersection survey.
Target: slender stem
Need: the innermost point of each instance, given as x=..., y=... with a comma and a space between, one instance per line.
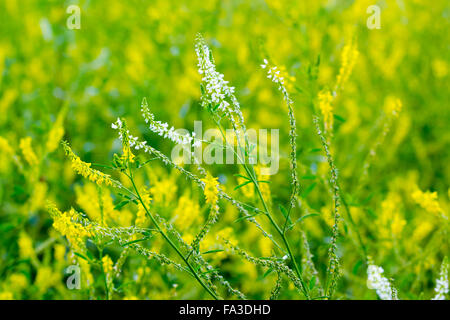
x=354, y=227
x=193, y=271
x=286, y=243
x=252, y=176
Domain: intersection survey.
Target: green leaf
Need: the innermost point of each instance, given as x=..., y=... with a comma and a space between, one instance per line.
x=308, y=190
x=81, y=256
x=285, y=213
x=242, y=184
x=134, y=241
x=247, y=217
x=312, y=283
x=337, y=117
x=267, y=272
x=212, y=251
x=306, y=216
x=356, y=267
x=301, y=219
x=242, y=176
x=121, y=204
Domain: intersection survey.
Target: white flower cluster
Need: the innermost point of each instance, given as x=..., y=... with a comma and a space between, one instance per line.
x=133, y=141
x=163, y=129
x=273, y=73
x=376, y=280
x=442, y=287
x=217, y=89
x=215, y=85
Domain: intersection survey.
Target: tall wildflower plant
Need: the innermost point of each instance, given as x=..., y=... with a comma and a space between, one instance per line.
x=156, y=238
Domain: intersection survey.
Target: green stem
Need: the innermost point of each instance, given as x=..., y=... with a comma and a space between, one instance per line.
x=193, y=271
x=252, y=176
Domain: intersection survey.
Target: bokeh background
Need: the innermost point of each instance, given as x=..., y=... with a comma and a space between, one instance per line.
x=80, y=81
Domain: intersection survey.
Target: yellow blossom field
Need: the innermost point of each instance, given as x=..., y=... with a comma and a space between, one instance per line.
x=224, y=149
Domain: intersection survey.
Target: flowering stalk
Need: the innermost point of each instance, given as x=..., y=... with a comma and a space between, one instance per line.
x=382, y=285
x=193, y=272
x=333, y=267
x=442, y=287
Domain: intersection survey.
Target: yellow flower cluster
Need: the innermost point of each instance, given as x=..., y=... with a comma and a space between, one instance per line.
x=74, y=232
x=127, y=154
x=46, y=278
x=263, y=186
x=6, y=295
x=54, y=137
x=27, y=151
x=325, y=99
x=289, y=80
x=96, y=203
x=427, y=200
x=84, y=168
x=107, y=264
x=26, y=249
x=186, y=213
x=349, y=57
x=393, y=106
x=37, y=199
x=391, y=221
x=141, y=215
x=56, y=132
x=5, y=147
x=211, y=191
x=164, y=191
x=18, y=281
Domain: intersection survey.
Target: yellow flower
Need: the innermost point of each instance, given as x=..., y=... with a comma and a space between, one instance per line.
x=38, y=196
x=423, y=229
x=325, y=99
x=46, y=278
x=26, y=249
x=349, y=56
x=84, y=168
x=27, y=151
x=392, y=106
x=427, y=200
x=164, y=191
x=288, y=79
x=186, y=213
x=397, y=225
x=74, y=232
x=263, y=186
x=18, y=281
x=141, y=216
x=54, y=137
x=6, y=295
x=5, y=147
x=56, y=132
x=107, y=264
x=211, y=191
x=60, y=252
x=391, y=220
x=127, y=154
x=86, y=271
x=96, y=202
